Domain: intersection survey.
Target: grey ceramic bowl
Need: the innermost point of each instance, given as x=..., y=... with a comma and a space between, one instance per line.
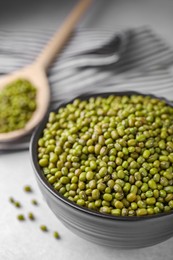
x=103, y=229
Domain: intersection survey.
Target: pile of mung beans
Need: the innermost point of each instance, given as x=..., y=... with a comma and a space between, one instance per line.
x=111, y=154
x=17, y=104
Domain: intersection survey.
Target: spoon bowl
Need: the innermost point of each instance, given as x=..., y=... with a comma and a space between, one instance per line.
x=36, y=72
x=37, y=76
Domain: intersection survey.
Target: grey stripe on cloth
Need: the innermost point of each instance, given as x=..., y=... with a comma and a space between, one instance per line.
x=93, y=61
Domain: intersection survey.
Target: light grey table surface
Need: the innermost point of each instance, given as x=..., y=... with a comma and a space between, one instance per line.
x=24, y=241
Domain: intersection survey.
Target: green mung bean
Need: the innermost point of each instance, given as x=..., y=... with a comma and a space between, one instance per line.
x=43, y=228
x=21, y=217
x=27, y=188
x=34, y=202
x=31, y=216
x=17, y=204
x=56, y=235
x=11, y=199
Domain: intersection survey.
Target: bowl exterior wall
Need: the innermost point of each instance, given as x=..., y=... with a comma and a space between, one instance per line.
x=120, y=234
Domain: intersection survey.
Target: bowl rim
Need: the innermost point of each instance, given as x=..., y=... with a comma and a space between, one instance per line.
x=41, y=177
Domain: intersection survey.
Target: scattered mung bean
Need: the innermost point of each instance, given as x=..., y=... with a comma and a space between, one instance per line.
x=21, y=217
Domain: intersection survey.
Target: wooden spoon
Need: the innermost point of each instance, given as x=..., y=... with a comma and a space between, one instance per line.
x=36, y=72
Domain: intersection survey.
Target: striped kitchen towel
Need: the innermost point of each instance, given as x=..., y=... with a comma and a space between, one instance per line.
x=93, y=61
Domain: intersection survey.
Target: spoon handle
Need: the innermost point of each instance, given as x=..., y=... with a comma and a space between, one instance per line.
x=62, y=35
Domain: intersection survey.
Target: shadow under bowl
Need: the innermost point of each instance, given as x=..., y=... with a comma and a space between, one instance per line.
x=104, y=229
